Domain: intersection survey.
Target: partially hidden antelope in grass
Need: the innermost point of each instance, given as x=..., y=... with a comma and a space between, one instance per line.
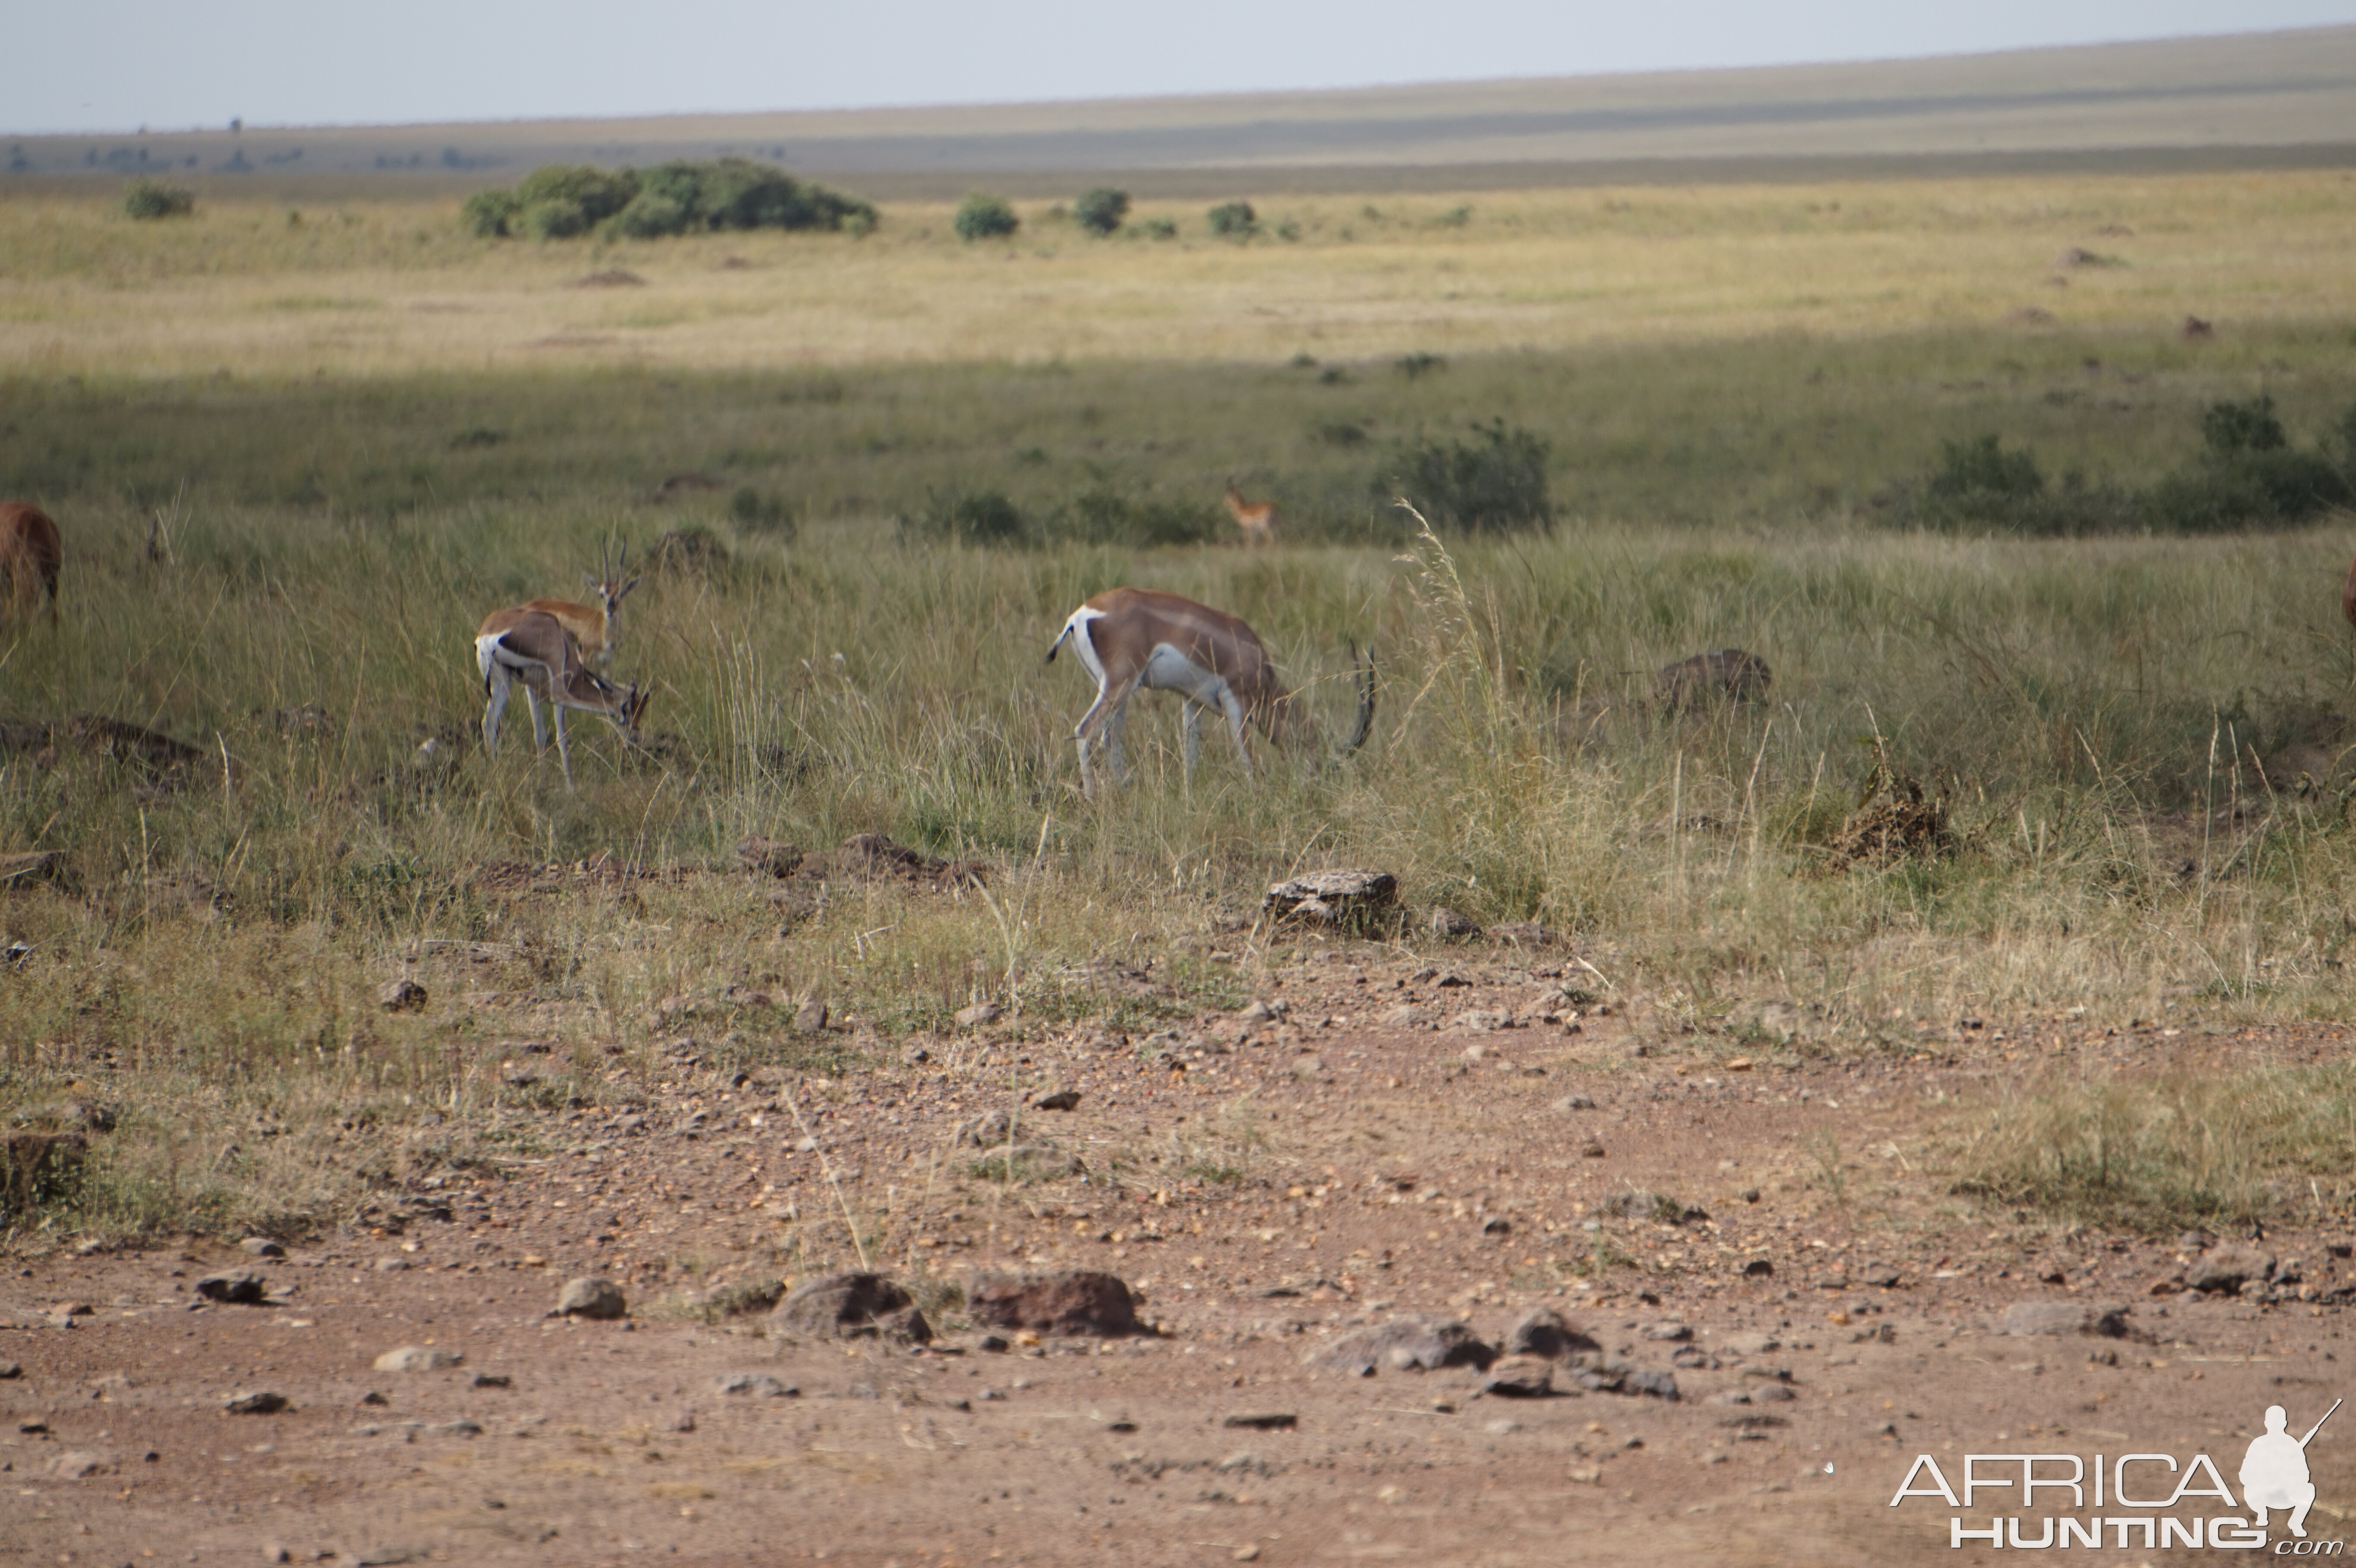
x=1257, y=518
x=1130, y=639
x=31, y=555
x=594, y=626
x=532, y=647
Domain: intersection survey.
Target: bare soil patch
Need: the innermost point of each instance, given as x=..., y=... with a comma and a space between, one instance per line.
x=1377, y=1138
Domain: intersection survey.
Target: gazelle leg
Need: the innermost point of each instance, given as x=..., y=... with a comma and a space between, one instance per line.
x=1118, y=763
x=564, y=755
x=538, y=730
x=1194, y=736
x=1105, y=708
x=1235, y=712
x=501, y=684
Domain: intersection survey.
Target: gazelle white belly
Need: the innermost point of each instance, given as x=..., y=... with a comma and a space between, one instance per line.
x=1167, y=669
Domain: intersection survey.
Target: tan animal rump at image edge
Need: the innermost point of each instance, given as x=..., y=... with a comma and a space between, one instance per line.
x=31, y=555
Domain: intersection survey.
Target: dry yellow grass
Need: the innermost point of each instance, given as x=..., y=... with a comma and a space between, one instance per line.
x=372, y=288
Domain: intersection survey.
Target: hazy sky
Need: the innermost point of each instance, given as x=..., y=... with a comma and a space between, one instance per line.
x=118, y=64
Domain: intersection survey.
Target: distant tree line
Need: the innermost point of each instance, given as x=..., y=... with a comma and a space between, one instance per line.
x=559, y=201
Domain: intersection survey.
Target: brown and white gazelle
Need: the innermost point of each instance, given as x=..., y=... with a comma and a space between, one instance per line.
x=594, y=626
x=533, y=646
x=1132, y=638
x=1257, y=518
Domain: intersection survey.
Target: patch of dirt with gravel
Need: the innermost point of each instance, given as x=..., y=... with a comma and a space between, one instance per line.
x=1378, y=1136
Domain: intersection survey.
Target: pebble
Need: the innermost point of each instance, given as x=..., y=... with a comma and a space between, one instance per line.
x=262, y=1247
x=1261, y=1421
x=759, y=1383
x=244, y=1286
x=418, y=1359
x=260, y=1401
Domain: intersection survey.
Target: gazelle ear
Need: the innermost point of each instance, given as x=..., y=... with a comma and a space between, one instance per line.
x=625, y=587
x=591, y=581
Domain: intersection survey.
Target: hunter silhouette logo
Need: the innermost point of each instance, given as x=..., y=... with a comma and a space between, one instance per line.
x=2274, y=1472
x=2125, y=1500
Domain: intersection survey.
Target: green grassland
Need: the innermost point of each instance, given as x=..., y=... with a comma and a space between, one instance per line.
x=2138, y=736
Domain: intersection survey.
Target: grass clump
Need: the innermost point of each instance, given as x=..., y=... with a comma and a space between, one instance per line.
x=147, y=199
x=2157, y=1156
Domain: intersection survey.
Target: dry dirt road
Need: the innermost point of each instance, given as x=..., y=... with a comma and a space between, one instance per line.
x=1402, y=1139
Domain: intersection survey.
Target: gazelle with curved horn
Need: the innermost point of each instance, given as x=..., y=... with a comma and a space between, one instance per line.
x=594, y=626
x=1133, y=638
x=533, y=646
x=1257, y=518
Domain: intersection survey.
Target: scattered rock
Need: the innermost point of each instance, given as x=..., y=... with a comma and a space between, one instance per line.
x=976, y=1016
x=1074, y=1301
x=401, y=995
x=1405, y=1343
x=1523, y=934
x=754, y=1384
x=1407, y=1017
x=769, y=857
x=1061, y=1100
x=1451, y=926
x=79, y=1463
x=1880, y=1275
x=260, y=1401
x=10, y=1370
x=262, y=1247
x=1480, y=1020
x=988, y=1130
x=1307, y=1066
x=1355, y=901
x=488, y=1380
x=810, y=1017
x=1619, y=1378
x=1638, y=1204
x=418, y=1359
x=244, y=1287
x=2227, y=1267
x=1575, y=1103
x=852, y=1305
x=1759, y=1268
x=591, y=1297
x=1543, y=1332
x=1519, y=1377
x=1262, y=1420
x=1260, y=1012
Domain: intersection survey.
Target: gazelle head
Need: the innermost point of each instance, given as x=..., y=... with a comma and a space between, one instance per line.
x=609, y=585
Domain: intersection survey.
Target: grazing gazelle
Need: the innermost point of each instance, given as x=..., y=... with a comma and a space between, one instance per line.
x=1130, y=638
x=1257, y=518
x=534, y=647
x=594, y=625
x=30, y=556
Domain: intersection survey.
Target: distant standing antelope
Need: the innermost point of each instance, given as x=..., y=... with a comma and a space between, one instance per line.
x=31, y=555
x=533, y=646
x=1257, y=518
x=594, y=626
x=1132, y=638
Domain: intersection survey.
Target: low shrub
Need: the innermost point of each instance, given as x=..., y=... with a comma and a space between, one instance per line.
x=981, y=518
x=1101, y=211
x=755, y=513
x=1158, y=229
x=1496, y=483
x=145, y=198
x=1235, y=220
x=1102, y=515
x=2268, y=488
x=558, y=201
x=984, y=216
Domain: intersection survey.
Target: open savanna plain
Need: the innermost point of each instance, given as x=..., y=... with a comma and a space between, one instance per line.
x=1782, y=1048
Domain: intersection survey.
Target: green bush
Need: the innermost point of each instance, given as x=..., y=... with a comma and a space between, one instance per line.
x=144, y=199
x=1235, y=220
x=982, y=217
x=1101, y=210
x=1496, y=483
x=490, y=214
x=1102, y=515
x=558, y=201
x=2232, y=429
x=1163, y=229
x=2265, y=488
x=981, y=517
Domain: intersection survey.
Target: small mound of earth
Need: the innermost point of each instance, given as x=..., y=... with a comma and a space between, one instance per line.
x=1896, y=822
x=611, y=278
